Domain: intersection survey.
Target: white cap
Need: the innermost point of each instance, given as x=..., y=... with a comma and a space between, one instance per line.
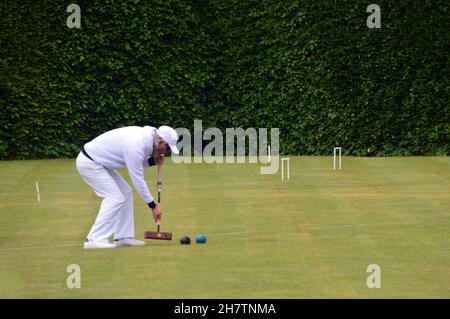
x=170, y=136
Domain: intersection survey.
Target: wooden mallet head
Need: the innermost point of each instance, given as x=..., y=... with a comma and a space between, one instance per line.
x=158, y=234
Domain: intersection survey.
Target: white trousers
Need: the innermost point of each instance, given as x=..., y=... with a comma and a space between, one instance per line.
x=116, y=216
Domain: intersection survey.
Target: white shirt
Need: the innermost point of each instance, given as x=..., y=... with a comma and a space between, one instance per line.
x=128, y=147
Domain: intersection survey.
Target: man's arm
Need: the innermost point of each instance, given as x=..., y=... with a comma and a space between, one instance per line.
x=134, y=160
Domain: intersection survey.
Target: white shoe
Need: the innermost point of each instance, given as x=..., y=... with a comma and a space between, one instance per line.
x=128, y=242
x=98, y=245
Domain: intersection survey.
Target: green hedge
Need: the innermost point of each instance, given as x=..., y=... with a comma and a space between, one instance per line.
x=311, y=68
x=315, y=70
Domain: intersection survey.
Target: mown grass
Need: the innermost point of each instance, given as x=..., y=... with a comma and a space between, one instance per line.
x=312, y=236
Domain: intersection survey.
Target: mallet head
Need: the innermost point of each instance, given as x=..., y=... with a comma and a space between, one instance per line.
x=158, y=235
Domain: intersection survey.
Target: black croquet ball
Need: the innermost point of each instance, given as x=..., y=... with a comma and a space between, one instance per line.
x=185, y=240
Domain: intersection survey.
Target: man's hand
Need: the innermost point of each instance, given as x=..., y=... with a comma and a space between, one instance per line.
x=157, y=213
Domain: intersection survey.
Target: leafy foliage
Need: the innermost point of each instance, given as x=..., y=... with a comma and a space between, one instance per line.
x=311, y=68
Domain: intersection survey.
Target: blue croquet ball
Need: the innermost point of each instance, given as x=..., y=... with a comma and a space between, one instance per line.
x=185, y=240
x=201, y=239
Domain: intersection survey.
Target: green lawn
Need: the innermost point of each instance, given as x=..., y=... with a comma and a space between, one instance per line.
x=312, y=236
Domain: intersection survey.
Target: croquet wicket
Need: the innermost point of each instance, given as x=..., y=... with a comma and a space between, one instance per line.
x=287, y=166
x=340, y=157
x=38, y=192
